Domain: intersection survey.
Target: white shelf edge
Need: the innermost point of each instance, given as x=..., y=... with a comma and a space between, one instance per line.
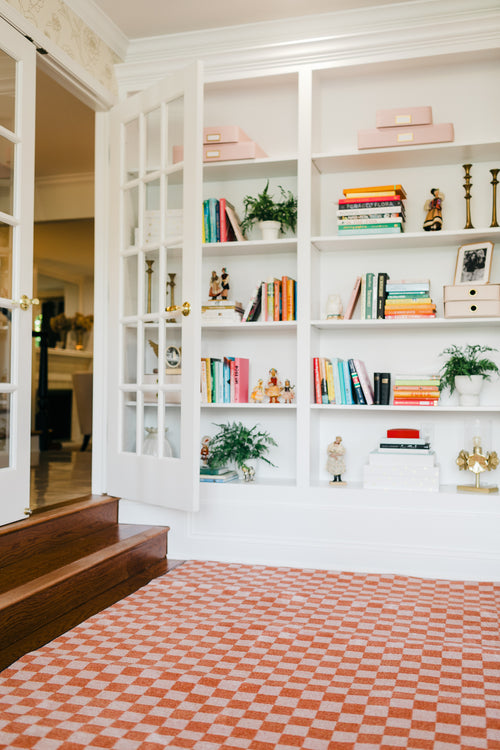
x=404, y=323
x=277, y=325
x=392, y=408
x=270, y=407
x=403, y=240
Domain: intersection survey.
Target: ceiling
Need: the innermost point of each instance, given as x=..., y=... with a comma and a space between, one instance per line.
x=158, y=17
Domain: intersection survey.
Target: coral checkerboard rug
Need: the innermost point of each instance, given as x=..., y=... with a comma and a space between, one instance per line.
x=242, y=657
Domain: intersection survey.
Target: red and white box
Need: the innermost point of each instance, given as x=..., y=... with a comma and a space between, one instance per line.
x=474, y=301
x=225, y=152
x=403, y=116
x=402, y=136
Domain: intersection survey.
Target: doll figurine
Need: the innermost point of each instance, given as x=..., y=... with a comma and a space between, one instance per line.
x=215, y=289
x=224, y=277
x=434, y=219
x=257, y=395
x=335, y=464
x=204, y=452
x=288, y=394
x=273, y=387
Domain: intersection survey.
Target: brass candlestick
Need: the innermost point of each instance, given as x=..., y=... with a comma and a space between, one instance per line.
x=149, y=272
x=494, y=182
x=171, y=284
x=467, y=186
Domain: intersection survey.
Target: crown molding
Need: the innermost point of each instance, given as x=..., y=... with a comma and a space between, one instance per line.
x=101, y=24
x=421, y=28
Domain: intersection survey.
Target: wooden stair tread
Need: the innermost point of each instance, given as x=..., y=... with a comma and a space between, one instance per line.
x=64, y=553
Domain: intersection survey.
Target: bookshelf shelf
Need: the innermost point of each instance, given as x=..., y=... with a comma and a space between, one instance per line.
x=285, y=166
x=418, y=409
x=275, y=326
x=250, y=248
x=437, y=154
x=450, y=239
x=383, y=325
x=270, y=407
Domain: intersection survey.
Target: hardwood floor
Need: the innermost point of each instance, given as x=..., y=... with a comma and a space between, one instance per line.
x=61, y=475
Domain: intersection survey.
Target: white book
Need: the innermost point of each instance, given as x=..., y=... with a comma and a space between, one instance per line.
x=397, y=458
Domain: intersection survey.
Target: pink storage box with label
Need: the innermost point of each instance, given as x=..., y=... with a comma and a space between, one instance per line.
x=403, y=116
x=224, y=134
x=481, y=308
x=225, y=152
x=411, y=136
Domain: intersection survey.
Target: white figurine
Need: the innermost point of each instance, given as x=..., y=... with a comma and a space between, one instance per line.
x=334, y=308
x=335, y=464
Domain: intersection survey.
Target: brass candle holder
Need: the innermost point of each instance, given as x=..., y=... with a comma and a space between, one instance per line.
x=476, y=462
x=149, y=272
x=467, y=186
x=171, y=284
x=494, y=182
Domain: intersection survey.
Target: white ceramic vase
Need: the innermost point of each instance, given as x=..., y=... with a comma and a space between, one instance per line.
x=270, y=230
x=468, y=387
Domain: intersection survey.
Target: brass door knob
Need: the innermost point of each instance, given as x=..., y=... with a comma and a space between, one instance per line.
x=25, y=302
x=185, y=309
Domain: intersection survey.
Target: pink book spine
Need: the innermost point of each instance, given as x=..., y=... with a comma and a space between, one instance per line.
x=223, y=220
x=241, y=366
x=231, y=381
x=364, y=380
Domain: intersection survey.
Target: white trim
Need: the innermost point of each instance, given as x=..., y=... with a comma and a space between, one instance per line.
x=59, y=65
x=101, y=24
x=421, y=28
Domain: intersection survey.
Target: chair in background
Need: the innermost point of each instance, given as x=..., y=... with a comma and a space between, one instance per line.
x=82, y=389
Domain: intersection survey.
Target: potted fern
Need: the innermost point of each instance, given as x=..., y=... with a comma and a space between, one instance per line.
x=239, y=445
x=271, y=216
x=465, y=370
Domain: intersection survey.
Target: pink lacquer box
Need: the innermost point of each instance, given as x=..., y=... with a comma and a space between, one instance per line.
x=224, y=134
x=478, y=301
x=402, y=116
x=224, y=152
x=405, y=136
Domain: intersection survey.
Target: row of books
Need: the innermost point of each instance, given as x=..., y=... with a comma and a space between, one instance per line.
x=416, y=390
x=341, y=381
x=220, y=221
x=409, y=299
x=378, y=209
x=275, y=299
x=223, y=474
x=224, y=380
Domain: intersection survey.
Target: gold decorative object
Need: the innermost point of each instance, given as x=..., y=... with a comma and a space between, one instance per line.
x=467, y=186
x=149, y=272
x=171, y=284
x=477, y=462
x=494, y=182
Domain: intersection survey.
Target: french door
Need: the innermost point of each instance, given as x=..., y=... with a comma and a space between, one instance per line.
x=17, y=130
x=155, y=296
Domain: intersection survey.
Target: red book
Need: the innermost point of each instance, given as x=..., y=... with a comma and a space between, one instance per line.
x=223, y=220
x=403, y=432
x=317, y=381
x=369, y=199
x=415, y=402
x=241, y=380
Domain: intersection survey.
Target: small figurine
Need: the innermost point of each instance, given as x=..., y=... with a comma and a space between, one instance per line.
x=204, y=452
x=288, y=394
x=335, y=464
x=434, y=219
x=215, y=287
x=273, y=387
x=257, y=395
x=334, y=308
x=224, y=277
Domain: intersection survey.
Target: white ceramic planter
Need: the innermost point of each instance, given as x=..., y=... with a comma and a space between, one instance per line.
x=270, y=230
x=468, y=387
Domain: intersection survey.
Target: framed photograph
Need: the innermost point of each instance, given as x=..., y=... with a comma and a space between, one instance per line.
x=173, y=358
x=474, y=263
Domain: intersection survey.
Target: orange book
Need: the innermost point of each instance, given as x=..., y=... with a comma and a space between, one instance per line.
x=376, y=190
x=284, y=298
x=291, y=314
x=277, y=300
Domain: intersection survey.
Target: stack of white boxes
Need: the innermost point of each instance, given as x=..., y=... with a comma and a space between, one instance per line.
x=398, y=468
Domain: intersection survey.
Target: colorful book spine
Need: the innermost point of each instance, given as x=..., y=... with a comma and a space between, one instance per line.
x=241, y=369
x=382, y=278
x=342, y=388
x=364, y=380
x=316, y=381
x=323, y=383
x=369, y=286
x=349, y=396
x=358, y=391
x=330, y=382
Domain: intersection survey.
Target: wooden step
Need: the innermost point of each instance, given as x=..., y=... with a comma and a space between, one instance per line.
x=91, y=562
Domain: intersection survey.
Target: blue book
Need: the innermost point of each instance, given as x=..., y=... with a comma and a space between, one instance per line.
x=347, y=383
x=340, y=370
x=336, y=380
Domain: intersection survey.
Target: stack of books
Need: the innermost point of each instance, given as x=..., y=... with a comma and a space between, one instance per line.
x=408, y=299
x=224, y=310
x=371, y=210
x=416, y=390
x=224, y=380
x=403, y=461
x=220, y=221
x=223, y=474
x=341, y=381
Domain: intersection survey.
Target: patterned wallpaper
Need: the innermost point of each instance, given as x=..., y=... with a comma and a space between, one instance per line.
x=62, y=26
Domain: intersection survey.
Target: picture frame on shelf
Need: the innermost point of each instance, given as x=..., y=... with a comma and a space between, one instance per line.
x=173, y=359
x=473, y=263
